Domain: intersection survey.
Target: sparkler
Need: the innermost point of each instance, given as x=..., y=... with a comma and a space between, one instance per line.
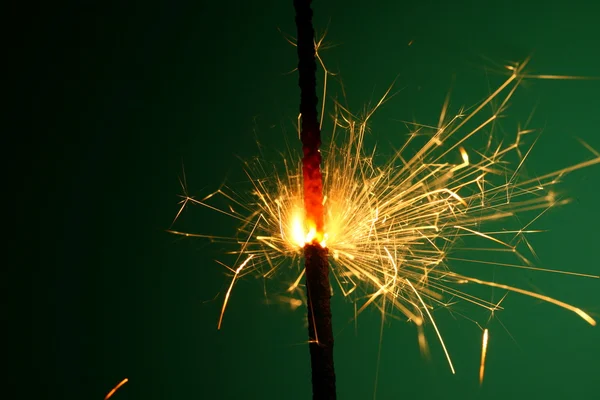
x=318, y=293
x=390, y=228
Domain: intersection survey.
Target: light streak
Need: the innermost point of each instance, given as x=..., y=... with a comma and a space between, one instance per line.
x=391, y=227
x=484, y=346
x=437, y=331
x=228, y=293
x=113, y=390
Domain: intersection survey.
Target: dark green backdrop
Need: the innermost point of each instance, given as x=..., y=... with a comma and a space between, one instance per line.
x=113, y=97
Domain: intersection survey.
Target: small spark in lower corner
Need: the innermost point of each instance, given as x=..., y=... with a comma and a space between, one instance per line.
x=109, y=395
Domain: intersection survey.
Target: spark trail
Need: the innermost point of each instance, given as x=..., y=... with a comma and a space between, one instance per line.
x=114, y=390
x=484, y=346
x=392, y=228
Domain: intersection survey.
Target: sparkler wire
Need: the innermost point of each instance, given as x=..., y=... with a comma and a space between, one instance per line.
x=316, y=261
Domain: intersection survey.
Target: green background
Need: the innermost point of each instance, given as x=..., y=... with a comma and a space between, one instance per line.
x=112, y=98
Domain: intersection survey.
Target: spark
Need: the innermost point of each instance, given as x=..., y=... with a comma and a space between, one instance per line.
x=392, y=228
x=437, y=331
x=484, y=346
x=562, y=77
x=585, y=316
x=237, y=272
x=113, y=390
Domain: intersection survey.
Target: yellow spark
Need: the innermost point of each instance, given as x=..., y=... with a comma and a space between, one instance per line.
x=109, y=395
x=237, y=271
x=437, y=331
x=561, y=77
x=484, y=346
x=296, y=282
x=585, y=316
x=590, y=148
